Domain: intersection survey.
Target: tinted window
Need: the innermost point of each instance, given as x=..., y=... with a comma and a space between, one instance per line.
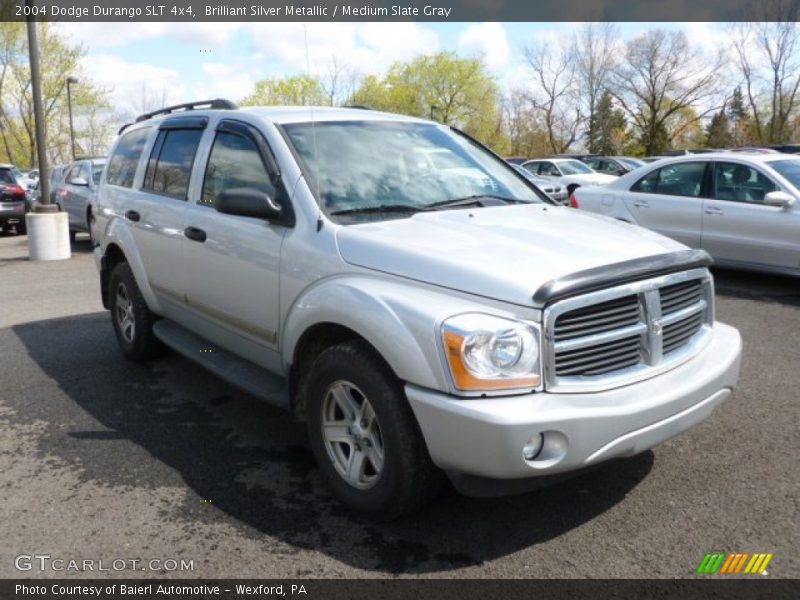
x=682, y=179
x=234, y=163
x=72, y=173
x=741, y=183
x=97, y=172
x=85, y=173
x=169, y=173
x=122, y=164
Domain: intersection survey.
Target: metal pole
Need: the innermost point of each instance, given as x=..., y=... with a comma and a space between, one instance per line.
x=69, y=105
x=36, y=86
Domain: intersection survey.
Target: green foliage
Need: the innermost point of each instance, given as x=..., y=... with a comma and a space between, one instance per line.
x=719, y=131
x=444, y=87
x=607, y=133
x=58, y=60
x=299, y=90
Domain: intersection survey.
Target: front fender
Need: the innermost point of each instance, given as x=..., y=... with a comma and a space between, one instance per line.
x=400, y=319
x=118, y=232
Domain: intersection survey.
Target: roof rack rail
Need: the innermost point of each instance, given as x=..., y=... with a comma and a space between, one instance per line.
x=359, y=106
x=216, y=103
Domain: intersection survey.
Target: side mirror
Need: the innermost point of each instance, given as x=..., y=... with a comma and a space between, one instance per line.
x=78, y=181
x=779, y=199
x=249, y=202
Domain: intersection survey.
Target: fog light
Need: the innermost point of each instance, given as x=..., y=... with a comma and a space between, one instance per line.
x=532, y=448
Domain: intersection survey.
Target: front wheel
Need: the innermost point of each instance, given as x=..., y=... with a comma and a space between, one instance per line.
x=364, y=435
x=132, y=319
x=21, y=227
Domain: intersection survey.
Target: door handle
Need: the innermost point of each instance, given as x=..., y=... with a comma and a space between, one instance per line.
x=713, y=211
x=641, y=204
x=195, y=234
x=132, y=215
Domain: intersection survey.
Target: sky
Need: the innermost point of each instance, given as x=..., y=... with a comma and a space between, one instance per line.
x=179, y=62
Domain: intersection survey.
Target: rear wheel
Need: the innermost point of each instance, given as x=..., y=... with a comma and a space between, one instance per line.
x=132, y=319
x=72, y=234
x=364, y=435
x=21, y=228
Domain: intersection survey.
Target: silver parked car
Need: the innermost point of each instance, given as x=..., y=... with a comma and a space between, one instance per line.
x=570, y=172
x=399, y=288
x=744, y=210
x=75, y=194
x=555, y=190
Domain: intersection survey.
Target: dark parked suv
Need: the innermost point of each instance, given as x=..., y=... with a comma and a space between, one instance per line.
x=13, y=205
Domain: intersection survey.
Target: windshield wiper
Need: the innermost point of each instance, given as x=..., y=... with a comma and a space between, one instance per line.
x=473, y=200
x=380, y=208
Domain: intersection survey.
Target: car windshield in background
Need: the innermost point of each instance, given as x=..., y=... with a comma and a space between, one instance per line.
x=573, y=167
x=97, y=173
x=6, y=176
x=633, y=163
x=790, y=169
x=392, y=168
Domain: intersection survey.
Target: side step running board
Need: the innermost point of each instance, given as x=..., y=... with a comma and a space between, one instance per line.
x=237, y=371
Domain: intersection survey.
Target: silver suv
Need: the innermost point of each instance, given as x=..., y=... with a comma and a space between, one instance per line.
x=421, y=306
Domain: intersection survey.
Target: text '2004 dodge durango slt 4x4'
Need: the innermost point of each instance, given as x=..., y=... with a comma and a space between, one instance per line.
x=400, y=288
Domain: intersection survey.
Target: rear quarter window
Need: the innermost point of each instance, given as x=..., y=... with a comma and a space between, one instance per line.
x=122, y=164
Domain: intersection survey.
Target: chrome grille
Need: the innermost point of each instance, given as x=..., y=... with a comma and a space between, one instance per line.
x=629, y=332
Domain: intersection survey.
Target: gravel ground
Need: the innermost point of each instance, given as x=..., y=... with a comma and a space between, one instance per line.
x=104, y=459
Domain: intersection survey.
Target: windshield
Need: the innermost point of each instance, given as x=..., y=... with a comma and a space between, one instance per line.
x=573, y=167
x=633, y=163
x=367, y=165
x=17, y=172
x=790, y=169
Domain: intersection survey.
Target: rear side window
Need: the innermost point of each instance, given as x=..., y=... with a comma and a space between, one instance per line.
x=680, y=179
x=122, y=164
x=170, y=164
x=6, y=176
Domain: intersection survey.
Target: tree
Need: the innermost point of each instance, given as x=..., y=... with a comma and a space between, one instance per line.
x=660, y=76
x=554, y=94
x=718, y=131
x=738, y=117
x=452, y=90
x=594, y=49
x=299, y=90
x=608, y=133
x=58, y=60
x=339, y=81
x=768, y=56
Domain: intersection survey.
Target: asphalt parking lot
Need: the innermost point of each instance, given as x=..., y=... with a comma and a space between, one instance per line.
x=104, y=459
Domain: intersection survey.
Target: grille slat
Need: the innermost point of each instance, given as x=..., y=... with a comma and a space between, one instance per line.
x=579, y=353
x=680, y=295
x=632, y=345
x=598, y=318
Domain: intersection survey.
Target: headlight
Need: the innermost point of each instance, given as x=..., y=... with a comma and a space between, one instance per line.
x=491, y=353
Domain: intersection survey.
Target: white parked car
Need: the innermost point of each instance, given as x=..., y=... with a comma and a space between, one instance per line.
x=743, y=209
x=570, y=172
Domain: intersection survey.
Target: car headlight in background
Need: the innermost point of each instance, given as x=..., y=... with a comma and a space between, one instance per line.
x=485, y=352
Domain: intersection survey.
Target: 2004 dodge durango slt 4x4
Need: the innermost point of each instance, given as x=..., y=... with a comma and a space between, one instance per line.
x=418, y=303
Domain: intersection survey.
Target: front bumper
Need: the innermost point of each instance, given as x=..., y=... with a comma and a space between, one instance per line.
x=485, y=437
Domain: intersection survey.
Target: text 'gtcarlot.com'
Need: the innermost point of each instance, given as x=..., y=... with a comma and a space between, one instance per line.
x=46, y=562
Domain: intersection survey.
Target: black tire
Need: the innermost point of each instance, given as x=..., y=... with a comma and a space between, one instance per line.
x=90, y=223
x=21, y=228
x=138, y=342
x=408, y=479
x=72, y=234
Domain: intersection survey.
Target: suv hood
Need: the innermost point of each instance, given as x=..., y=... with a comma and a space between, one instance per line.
x=504, y=252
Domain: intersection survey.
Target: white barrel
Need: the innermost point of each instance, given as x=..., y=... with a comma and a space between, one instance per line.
x=48, y=236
